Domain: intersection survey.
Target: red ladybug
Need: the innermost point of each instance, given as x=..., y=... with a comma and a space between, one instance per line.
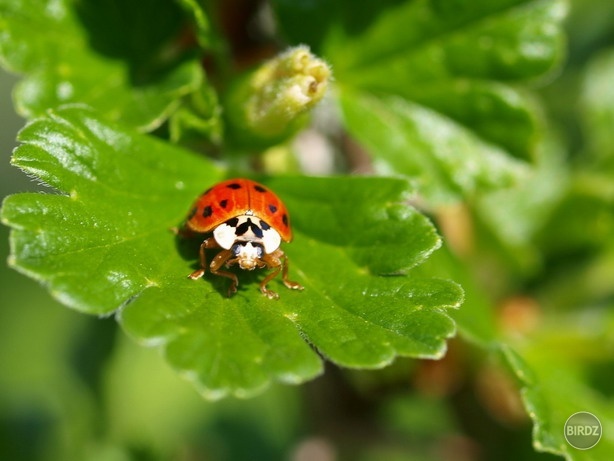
x=248, y=222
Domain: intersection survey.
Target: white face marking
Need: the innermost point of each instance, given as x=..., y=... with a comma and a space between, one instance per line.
x=225, y=235
x=248, y=229
x=270, y=240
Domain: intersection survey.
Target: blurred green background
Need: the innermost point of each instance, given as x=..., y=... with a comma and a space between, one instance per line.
x=74, y=387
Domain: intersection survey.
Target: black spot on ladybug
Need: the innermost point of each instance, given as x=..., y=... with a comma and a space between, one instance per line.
x=264, y=225
x=224, y=203
x=284, y=219
x=249, y=225
x=243, y=228
x=234, y=186
x=207, y=211
x=257, y=231
x=273, y=208
x=259, y=188
x=232, y=222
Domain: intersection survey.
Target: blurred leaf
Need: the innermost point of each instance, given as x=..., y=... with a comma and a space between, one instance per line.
x=583, y=220
x=495, y=40
x=554, y=371
x=199, y=118
x=517, y=214
x=446, y=159
x=123, y=58
x=498, y=113
x=597, y=100
x=581, y=280
x=457, y=58
x=439, y=82
x=296, y=19
x=476, y=320
x=204, y=33
x=104, y=243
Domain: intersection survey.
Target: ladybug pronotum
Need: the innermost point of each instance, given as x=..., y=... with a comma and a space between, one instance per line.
x=248, y=222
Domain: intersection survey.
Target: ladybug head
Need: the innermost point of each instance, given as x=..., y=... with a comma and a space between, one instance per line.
x=248, y=254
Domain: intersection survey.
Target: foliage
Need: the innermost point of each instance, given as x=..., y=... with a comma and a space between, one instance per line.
x=133, y=109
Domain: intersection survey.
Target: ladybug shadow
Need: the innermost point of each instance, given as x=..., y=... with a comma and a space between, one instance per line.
x=188, y=248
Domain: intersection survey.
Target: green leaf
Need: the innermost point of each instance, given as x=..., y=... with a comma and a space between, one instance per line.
x=565, y=369
x=122, y=58
x=446, y=159
x=204, y=34
x=115, y=190
x=296, y=19
x=491, y=40
x=103, y=245
x=199, y=118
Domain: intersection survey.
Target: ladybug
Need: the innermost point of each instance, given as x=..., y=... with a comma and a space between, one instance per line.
x=248, y=222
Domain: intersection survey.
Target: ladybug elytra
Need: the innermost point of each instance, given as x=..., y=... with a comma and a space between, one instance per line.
x=248, y=222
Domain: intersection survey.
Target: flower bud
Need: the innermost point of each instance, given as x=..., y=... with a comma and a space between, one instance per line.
x=269, y=104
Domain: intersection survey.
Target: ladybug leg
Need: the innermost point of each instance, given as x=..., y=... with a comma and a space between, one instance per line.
x=276, y=268
x=284, y=275
x=207, y=244
x=278, y=261
x=263, y=289
x=218, y=262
